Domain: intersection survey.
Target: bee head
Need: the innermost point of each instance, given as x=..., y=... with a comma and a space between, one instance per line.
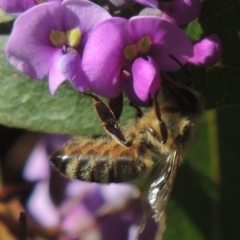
x=174, y=118
x=185, y=100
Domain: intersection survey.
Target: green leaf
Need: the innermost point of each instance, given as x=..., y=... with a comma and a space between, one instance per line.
x=27, y=103
x=204, y=203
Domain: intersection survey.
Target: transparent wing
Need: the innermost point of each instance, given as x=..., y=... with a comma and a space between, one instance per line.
x=161, y=188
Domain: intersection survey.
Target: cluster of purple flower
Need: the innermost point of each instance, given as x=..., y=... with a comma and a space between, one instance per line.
x=80, y=41
x=81, y=210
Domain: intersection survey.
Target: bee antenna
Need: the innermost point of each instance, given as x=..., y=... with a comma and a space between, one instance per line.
x=185, y=70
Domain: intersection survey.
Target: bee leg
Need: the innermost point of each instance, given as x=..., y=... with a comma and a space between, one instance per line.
x=139, y=113
x=163, y=127
x=116, y=105
x=109, y=121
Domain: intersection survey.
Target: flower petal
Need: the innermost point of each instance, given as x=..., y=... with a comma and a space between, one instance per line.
x=117, y=192
x=146, y=82
x=150, y=229
x=54, y=142
x=181, y=11
x=37, y=166
x=41, y=207
x=77, y=188
x=207, y=51
x=80, y=223
x=90, y=14
x=29, y=48
x=70, y=66
x=103, y=57
x=148, y=3
x=167, y=39
x=55, y=78
x=16, y=6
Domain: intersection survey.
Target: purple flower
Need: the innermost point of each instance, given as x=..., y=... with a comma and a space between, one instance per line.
x=177, y=11
x=81, y=210
x=49, y=40
x=20, y=6
x=112, y=63
x=181, y=11
x=135, y=52
x=207, y=51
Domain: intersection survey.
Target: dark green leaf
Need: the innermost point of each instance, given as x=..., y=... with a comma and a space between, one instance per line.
x=27, y=103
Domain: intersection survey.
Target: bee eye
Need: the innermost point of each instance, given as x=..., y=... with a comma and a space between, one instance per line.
x=185, y=134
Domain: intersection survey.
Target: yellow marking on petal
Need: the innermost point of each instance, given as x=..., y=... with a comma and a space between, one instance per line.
x=74, y=37
x=58, y=38
x=144, y=45
x=141, y=47
x=130, y=52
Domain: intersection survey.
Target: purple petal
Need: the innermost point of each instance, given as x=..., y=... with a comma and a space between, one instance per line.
x=55, y=142
x=207, y=51
x=55, y=78
x=181, y=11
x=37, y=166
x=114, y=227
x=16, y=6
x=133, y=232
x=148, y=3
x=80, y=223
x=103, y=57
x=150, y=229
x=70, y=66
x=41, y=207
x=94, y=200
x=146, y=82
x=167, y=39
x=90, y=14
x=76, y=188
x=104, y=60
x=115, y=192
x=29, y=48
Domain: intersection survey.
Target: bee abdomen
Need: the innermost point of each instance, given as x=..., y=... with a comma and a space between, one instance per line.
x=112, y=165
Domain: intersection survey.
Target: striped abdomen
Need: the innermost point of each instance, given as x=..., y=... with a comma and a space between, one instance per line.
x=100, y=160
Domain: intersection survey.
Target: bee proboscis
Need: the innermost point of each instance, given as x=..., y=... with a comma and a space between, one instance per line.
x=150, y=148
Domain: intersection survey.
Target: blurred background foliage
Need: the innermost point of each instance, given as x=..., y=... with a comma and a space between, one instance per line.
x=205, y=203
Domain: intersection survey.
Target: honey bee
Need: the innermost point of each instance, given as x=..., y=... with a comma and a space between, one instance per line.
x=151, y=148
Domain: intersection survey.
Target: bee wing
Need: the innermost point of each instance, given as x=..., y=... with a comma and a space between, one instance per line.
x=161, y=188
